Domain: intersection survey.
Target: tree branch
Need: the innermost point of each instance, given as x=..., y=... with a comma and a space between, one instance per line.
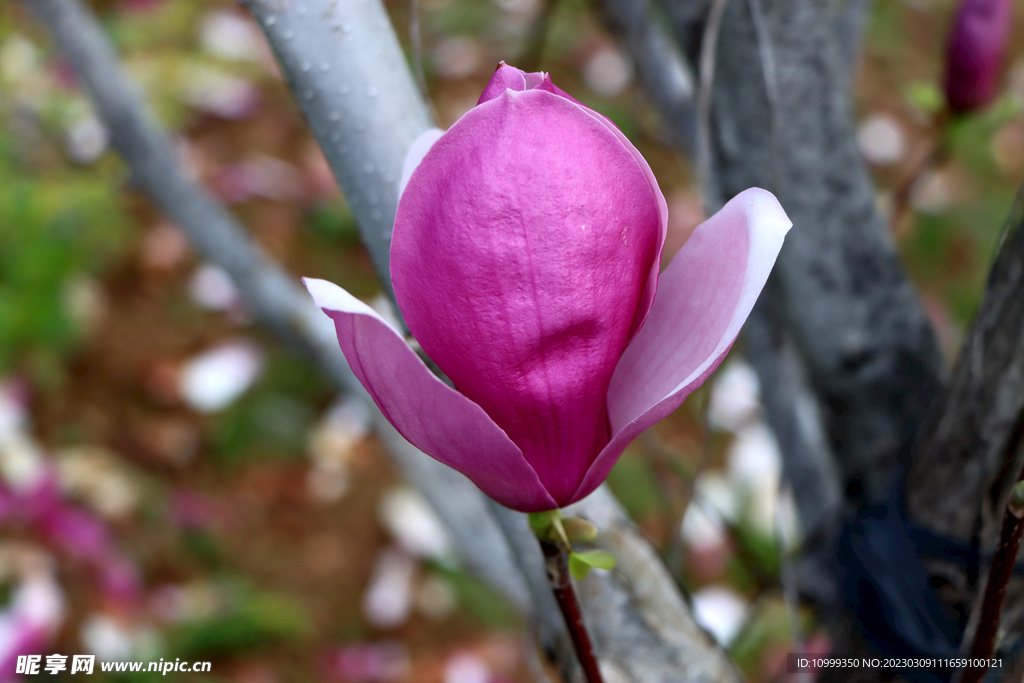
x=663, y=71
x=840, y=306
x=964, y=464
x=842, y=295
x=793, y=411
x=642, y=629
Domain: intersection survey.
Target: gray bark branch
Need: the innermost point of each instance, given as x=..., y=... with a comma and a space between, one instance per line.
x=965, y=461
x=840, y=300
x=349, y=75
x=842, y=295
x=660, y=65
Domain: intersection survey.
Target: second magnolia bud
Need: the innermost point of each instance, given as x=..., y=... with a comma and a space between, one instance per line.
x=975, y=51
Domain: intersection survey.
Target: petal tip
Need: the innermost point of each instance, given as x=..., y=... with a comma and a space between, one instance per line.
x=330, y=297
x=767, y=207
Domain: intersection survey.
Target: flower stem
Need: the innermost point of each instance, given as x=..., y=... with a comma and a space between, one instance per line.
x=557, y=563
x=995, y=590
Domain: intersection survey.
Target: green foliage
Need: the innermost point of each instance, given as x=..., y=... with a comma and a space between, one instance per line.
x=466, y=17
x=925, y=96
x=53, y=227
x=274, y=418
x=167, y=26
x=6, y=592
x=478, y=599
x=249, y=619
x=203, y=547
x=542, y=522
x=767, y=626
x=579, y=530
x=332, y=222
x=580, y=563
x=633, y=483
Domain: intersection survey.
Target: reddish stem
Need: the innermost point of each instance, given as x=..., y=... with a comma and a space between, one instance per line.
x=984, y=644
x=557, y=563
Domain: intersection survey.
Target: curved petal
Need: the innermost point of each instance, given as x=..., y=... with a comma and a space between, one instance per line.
x=522, y=248
x=651, y=287
x=433, y=417
x=704, y=297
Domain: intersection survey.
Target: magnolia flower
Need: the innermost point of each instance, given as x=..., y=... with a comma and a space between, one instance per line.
x=975, y=51
x=525, y=259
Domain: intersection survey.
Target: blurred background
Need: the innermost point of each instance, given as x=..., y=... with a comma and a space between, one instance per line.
x=174, y=483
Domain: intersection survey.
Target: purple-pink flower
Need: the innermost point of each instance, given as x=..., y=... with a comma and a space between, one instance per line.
x=525, y=259
x=975, y=51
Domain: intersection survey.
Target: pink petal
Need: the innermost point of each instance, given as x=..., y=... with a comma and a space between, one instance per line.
x=651, y=286
x=120, y=580
x=510, y=78
x=522, y=247
x=439, y=421
x=506, y=78
x=704, y=297
x=77, y=532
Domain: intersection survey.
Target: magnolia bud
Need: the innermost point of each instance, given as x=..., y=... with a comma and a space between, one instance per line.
x=975, y=51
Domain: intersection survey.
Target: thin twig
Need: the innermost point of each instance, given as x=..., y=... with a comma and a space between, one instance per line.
x=935, y=153
x=967, y=456
x=708, y=49
x=533, y=48
x=984, y=644
x=416, y=40
x=660, y=67
x=557, y=564
x=771, y=88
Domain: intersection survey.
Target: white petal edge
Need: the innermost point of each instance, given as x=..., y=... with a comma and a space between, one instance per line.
x=762, y=250
x=414, y=155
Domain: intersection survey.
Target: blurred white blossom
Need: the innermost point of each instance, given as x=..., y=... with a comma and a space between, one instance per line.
x=388, y=598
x=466, y=668
x=720, y=610
x=735, y=396
x=217, y=92
x=212, y=288
x=607, y=72
x=86, y=140
x=98, y=476
x=214, y=379
x=881, y=140
x=231, y=36
x=414, y=525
